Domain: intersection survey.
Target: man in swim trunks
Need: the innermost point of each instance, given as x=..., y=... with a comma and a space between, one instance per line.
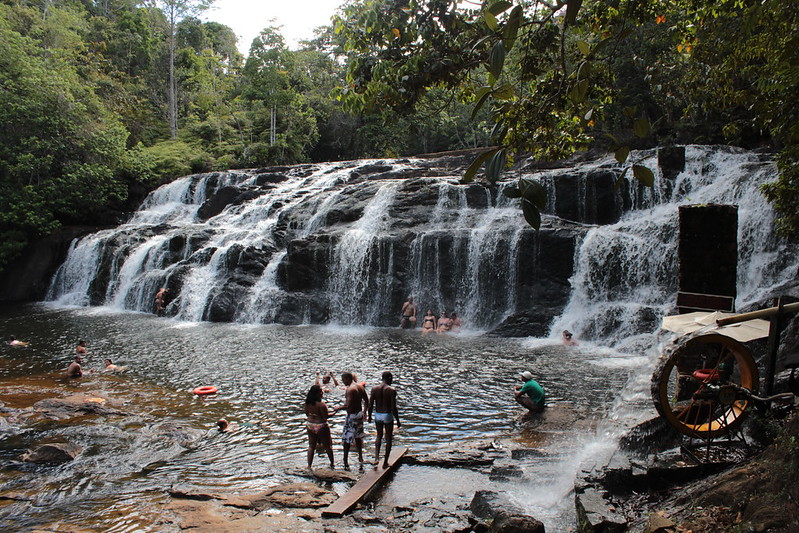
x=408, y=313
x=383, y=401
x=74, y=370
x=531, y=394
x=355, y=403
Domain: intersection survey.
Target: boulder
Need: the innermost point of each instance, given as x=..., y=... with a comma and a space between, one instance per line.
x=52, y=453
x=78, y=404
x=487, y=504
x=516, y=523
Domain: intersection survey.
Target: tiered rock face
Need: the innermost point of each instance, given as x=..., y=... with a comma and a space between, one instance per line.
x=347, y=243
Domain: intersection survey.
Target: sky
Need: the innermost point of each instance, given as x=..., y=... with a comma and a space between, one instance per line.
x=248, y=17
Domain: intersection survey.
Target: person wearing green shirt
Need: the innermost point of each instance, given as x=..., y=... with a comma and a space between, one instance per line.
x=531, y=394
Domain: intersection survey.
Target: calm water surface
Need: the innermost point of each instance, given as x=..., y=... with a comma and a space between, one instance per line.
x=451, y=389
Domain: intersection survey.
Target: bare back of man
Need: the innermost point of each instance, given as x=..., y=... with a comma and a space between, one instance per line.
x=355, y=403
x=383, y=404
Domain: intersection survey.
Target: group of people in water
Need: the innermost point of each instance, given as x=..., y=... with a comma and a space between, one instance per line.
x=75, y=370
x=446, y=323
x=358, y=406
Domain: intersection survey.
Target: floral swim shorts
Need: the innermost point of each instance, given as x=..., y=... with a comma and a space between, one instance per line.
x=353, y=427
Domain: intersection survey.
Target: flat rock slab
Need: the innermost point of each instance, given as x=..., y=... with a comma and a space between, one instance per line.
x=325, y=474
x=211, y=517
x=452, y=459
x=303, y=495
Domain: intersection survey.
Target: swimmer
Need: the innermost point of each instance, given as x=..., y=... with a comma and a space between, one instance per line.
x=81, y=347
x=567, y=338
x=226, y=427
x=12, y=341
x=74, y=369
x=324, y=381
x=383, y=401
x=444, y=324
x=456, y=321
x=111, y=367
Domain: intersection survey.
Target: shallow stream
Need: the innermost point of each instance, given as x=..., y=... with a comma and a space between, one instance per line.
x=452, y=389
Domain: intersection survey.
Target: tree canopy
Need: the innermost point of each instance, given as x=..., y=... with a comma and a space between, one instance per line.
x=101, y=102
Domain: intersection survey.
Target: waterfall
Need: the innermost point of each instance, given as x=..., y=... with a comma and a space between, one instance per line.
x=625, y=273
x=347, y=243
x=360, y=289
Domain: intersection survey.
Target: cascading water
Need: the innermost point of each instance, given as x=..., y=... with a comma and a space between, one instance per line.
x=347, y=243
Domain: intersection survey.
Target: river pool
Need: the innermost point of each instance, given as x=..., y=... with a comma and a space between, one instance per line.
x=451, y=389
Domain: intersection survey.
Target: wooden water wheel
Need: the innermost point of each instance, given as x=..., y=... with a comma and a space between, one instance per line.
x=703, y=385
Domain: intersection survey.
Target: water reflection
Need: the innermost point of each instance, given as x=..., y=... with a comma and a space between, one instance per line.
x=450, y=389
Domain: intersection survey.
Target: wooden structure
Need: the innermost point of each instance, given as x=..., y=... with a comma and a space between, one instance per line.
x=370, y=480
x=708, y=258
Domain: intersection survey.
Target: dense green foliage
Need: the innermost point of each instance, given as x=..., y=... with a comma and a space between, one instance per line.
x=102, y=101
x=565, y=75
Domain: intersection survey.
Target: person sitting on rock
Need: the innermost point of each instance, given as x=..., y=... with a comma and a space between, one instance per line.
x=74, y=370
x=531, y=394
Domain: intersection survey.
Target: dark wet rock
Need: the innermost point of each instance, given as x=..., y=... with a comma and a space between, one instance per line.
x=27, y=278
x=52, y=453
x=596, y=514
x=488, y=504
x=650, y=436
x=671, y=161
x=78, y=404
x=224, y=197
x=516, y=523
x=505, y=516
x=505, y=472
x=451, y=459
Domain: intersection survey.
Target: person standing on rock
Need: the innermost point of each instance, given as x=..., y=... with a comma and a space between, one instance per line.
x=316, y=423
x=408, y=313
x=531, y=394
x=356, y=402
x=383, y=401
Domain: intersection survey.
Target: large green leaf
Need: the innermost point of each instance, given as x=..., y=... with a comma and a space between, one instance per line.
x=622, y=153
x=497, y=59
x=512, y=28
x=533, y=192
x=644, y=175
x=491, y=20
x=477, y=163
x=512, y=192
x=641, y=127
x=498, y=7
x=495, y=165
x=572, y=8
x=531, y=214
x=505, y=92
x=579, y=91
x=482, y=95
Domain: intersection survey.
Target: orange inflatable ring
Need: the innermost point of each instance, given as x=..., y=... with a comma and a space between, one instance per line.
x=207, y=389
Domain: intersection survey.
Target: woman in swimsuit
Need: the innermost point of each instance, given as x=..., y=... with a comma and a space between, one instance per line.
x=444, y=323
x=429, y=322
x=318, y=430
x=456, y=322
